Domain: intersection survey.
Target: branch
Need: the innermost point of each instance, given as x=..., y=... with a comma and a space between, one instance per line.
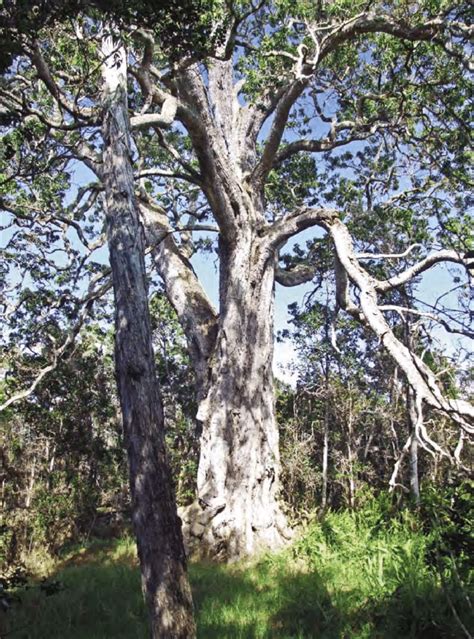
x=280, y=120
x=419, y=376
x=144, y=173
x=387, y=256
x=393, y=479
x=44, y=74
x=439, y=320
x=420, y=267
x=196, y=314
x=360, y=132
x=223, y=190
x=195, y=176
x=370, y=22
x=161, y=120
x=301, y=219
x=299, y=274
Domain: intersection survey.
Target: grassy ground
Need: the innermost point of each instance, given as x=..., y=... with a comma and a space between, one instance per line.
x=351, y=576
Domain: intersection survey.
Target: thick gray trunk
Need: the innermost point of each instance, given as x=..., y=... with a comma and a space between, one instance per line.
x=237, y=513
x=156, y=524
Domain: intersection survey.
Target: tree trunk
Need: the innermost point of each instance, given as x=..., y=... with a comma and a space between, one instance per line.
x=156, y=523
x=413, y=459
x=237, y=513
x=324, y=486
x=350, y=458
x=327, y=371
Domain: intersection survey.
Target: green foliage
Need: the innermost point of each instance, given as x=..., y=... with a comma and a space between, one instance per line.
x=182, y=26
x=177, y=389
x=447, y=514
x=63, y=459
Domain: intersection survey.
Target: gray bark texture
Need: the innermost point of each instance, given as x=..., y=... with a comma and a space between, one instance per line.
x=412, y=419
x=155, y=520
x=237, y=513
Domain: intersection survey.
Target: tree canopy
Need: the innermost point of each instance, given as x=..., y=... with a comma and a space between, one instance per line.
x=349, y=118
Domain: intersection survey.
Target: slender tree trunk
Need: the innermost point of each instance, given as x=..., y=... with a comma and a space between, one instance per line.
x=156, y=523
x=237, y=513
x=412, y=416
x=413, y=459
x=31, y=484
x=327, y=371
x=324, y=488
x=350, y=459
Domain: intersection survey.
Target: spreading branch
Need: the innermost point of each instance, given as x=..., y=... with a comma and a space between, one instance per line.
x=438, y=257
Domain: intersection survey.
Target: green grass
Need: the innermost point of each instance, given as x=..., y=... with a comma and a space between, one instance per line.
x=351, y=576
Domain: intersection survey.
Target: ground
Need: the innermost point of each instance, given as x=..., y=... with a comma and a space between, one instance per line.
x=349, y=576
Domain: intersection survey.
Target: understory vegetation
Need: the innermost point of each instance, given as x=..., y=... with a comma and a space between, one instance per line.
x=379, y=571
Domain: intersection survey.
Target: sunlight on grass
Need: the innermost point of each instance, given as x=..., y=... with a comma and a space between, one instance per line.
x=354, y=576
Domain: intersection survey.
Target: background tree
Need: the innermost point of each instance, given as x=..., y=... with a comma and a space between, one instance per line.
x=360, y=417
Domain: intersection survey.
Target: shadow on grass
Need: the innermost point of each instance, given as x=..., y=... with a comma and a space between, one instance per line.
x=234, y=603
x=268, y=603
x=101, y=599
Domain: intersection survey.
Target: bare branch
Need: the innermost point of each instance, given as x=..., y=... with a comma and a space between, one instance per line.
x=280, y=120
x=301, y=219
x=419, y=376
x=420, y=267
x=402, y=310
x=195, y=312
x=161, y=120
x=359, y=131
x=396, y=469
x=299, y=274
x=387, y=256
x=144, y=173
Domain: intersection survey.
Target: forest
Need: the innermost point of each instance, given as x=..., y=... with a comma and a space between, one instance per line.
x=193, y=192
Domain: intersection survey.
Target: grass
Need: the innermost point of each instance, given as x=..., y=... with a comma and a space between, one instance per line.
x=351, y=576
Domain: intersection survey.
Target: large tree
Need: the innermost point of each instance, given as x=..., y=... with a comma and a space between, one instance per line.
x=331, y=115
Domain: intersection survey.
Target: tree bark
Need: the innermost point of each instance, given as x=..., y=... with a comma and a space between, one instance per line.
x=155, y=520
x=237, y=512
x=413, y=458
x=324, y=485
